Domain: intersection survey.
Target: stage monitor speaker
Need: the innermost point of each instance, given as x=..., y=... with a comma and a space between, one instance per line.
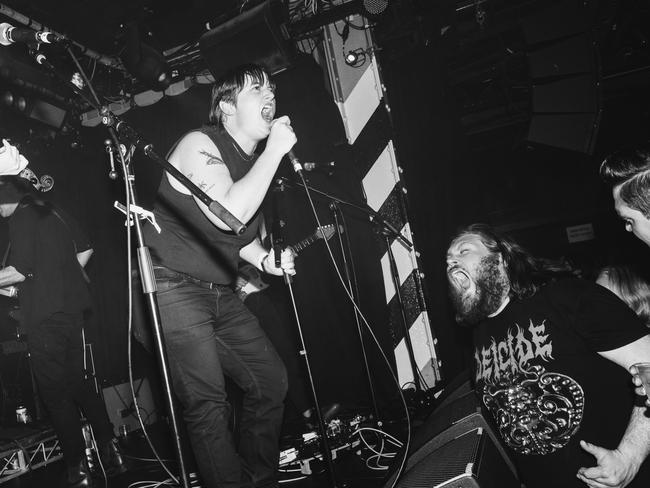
x=120, y=407
x=467, y=461
x=459, y=412
x=257, y=36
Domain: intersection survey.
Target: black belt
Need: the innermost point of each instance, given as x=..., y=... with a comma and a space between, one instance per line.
x=162, y=272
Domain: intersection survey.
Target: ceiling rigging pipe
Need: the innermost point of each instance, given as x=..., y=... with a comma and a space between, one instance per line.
x=109, y=61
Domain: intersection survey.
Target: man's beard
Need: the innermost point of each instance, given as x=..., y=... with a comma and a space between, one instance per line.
x=491, y=287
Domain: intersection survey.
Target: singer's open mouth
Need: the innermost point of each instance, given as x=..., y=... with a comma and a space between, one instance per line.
x=268, y=112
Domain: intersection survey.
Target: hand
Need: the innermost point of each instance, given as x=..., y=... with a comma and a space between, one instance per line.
x=282, y=138
x=11, y=161
x=287, y=264
x=613, y=469
x=636, y=379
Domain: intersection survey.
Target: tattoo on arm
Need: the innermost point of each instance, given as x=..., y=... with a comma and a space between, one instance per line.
x=212, y=159
x=204, y=186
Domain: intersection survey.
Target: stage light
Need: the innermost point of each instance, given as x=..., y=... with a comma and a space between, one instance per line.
x=144, y=62
x=8, y=99
x=355, y=57
x=351, y=58
x=20, y=104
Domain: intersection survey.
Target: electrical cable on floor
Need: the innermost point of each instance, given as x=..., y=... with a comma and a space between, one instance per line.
x=194, y=482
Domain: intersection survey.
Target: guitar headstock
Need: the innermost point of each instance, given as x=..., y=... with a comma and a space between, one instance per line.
x=327, y=231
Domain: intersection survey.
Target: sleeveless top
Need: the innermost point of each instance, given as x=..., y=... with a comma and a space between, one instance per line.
x=189, y=243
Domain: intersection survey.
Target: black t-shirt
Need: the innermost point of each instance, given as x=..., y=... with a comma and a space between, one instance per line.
x=44, y=248
x=539, y=375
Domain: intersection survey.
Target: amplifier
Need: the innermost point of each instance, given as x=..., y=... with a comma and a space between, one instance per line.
x=458, y=414
x=471, y=460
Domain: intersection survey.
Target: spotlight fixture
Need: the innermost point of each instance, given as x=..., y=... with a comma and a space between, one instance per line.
x=355, y=57
x=144, y=62
x=16, y=102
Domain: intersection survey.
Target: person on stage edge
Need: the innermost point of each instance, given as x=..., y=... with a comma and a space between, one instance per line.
x=47, y=252
x=551, y=355
x=208, y=331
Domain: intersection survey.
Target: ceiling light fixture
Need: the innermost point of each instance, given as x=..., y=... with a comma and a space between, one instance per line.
x=355, y=57
x=145, y=63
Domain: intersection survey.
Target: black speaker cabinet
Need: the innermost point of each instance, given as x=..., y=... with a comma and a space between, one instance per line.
x=457, y=415
x=467, y=461
x=256, y=36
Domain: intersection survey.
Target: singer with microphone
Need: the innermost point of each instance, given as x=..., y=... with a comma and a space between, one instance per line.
x=208, y=330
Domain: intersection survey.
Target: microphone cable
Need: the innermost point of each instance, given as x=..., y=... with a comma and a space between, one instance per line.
x=337, y=270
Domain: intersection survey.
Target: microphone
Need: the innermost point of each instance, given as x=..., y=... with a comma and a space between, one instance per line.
x=11, y=35
x=297, y=167
x=312, y=166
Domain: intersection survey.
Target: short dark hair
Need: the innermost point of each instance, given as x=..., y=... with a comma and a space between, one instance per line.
x=526, y=273
x=629, y=171
x=228, y=86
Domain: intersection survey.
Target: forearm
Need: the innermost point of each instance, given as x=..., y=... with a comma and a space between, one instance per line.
x=254, y=253
x=635, y=444
x=10, y=276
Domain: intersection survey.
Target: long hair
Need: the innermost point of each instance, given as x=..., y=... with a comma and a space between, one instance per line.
x=629, y=169
x=526, y=273
x=630, y=287
x=228, y=86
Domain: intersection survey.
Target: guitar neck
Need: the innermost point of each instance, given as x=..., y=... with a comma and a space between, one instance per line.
x=304, y=243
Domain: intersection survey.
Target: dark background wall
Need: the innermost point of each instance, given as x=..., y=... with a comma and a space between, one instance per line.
x=462, y=103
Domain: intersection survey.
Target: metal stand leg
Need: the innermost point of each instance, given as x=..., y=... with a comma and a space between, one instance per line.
x=327, y=454
x=350, y=277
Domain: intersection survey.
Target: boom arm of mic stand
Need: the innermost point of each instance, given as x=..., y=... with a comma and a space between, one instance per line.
x=126, y=131
x=374, y=216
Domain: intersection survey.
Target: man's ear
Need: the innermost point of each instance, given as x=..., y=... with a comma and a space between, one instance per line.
x=227, y=108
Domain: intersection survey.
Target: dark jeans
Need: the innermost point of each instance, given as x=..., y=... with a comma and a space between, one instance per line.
x=209, y=333
x=56, y=350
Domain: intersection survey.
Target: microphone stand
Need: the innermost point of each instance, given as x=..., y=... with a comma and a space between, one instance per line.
x=350, y=276
x=389, y=232
x=118, y=127
x=327, y=454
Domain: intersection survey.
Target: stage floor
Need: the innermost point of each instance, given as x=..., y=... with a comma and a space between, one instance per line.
x=350, y=465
